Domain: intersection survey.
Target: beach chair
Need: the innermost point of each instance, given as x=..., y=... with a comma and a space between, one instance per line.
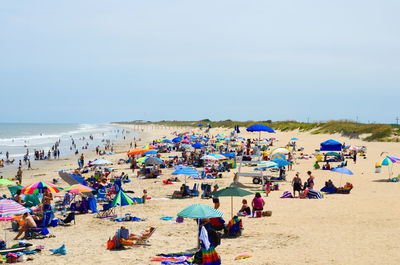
x=70, y=217
x=144, y=240
x=195, y=191
x=108, y=211
x=65, y=202
x=101, y=195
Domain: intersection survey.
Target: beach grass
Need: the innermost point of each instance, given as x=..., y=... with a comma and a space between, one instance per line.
x=351, y=129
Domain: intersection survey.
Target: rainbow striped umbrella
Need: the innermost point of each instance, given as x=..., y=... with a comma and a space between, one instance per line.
x=78, y=188
x=37, y=187
x=149, y=147
x=386, y=161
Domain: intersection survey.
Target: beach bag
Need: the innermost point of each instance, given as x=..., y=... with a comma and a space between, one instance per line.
x=12, y=258
x=2, y=245
x=15, y=226
x=110, y=244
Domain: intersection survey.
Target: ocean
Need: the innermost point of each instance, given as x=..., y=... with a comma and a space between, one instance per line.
x=17, y=138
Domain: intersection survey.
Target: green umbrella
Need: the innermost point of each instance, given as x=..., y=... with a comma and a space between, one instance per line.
x=332, y=154
x=6, y=182
x=121, y=199
x=231, y=192
x=199, y=211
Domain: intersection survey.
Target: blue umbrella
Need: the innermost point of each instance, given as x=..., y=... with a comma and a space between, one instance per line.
x=167, y=141
x=193, y=137
x=294, y=139
x=151, y=152
x=201, y=125
x=342, y=170
x=280, y=162
x=260, y=128
x=197, y=145
x=177, y=140
x=186, y=171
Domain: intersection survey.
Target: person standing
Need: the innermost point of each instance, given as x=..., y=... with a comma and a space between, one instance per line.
x=355, y=157
x=19, y=176
x=46, y=200
x=296, y=183
x=82, y=160
x=310, y=180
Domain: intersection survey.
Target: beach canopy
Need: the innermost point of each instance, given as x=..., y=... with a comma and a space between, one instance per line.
x=78, y=188
x=260, y=128
x=10, y=207
x=331, y=145
x=100, y=162
x=38, y=187
x=201, y=211
x=280, y=162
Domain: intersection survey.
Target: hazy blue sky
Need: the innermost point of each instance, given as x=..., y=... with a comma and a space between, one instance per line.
x=100, y=61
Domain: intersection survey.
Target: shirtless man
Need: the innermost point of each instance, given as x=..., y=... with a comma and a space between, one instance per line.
x=46, y=200
x=28, y=223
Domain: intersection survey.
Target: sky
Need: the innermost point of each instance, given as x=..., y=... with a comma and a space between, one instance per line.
x=102, y=61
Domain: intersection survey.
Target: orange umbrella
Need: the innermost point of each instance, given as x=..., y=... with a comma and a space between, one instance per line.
x=137, y=151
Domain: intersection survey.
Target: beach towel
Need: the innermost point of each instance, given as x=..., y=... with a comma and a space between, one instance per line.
x=167, y=218
x=286, y=194
x=314, y=194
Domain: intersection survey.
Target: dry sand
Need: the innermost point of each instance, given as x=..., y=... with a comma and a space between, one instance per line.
x=359, y=228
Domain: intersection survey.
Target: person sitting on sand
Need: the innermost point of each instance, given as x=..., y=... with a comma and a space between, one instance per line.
x=29, y=223
x=245, y=210
x=144, y=197
x=18, y=197
x=146, y=234
x=326, y=166
x=316, y=165
x=258, y=203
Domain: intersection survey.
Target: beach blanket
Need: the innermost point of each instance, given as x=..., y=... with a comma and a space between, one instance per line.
x=167, y=218
x=314, y=194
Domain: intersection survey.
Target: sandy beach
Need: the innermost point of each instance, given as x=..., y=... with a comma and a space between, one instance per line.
x=358, y=228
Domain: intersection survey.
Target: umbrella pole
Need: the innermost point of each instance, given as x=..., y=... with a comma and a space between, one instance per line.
x=198, y=236
x=341, y=176
x=231, y=206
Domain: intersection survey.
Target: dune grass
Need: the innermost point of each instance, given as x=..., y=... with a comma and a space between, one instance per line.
x=370, y=132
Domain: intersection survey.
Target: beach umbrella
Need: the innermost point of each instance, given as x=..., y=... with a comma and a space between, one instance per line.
x=231, y=192
x=6, y=182
x=278, y=156
x=280, y=150
x=78, y=188
x=186, y=171
x=194, y=137
x=265, y=165
x=137, y=151
x=294, y=139
x=151, y=152
x=167, y=141
x=100, y=162
x=342, y=170
x=153, y=161
x=121, y=199
x=177, y=140
x=199, y=211
x=37, y=187
x=10, y=207
x=386, y=162
x=280, y=162
x=197, y=145
x=260, y=128
x=351, y=147
x=332, y=154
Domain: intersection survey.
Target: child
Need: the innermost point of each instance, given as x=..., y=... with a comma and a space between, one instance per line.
x=144, y=197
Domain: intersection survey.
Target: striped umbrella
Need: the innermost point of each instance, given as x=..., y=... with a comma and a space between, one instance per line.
x=78, y=188
x=10, y=207
x=351, y=147
x=37, y=187
x=278, y=156
x=121, y=199
x=386, y=162
x=265, y=165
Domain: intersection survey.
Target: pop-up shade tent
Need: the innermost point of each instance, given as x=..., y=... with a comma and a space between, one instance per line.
x=331, y=145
